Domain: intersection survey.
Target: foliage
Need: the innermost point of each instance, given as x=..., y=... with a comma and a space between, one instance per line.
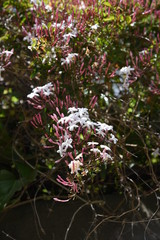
x=80, y=98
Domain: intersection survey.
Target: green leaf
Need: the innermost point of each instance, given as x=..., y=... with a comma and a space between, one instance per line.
x=107, y=4
x=26, y=173
x=108, y=19
x=14, y=99
x=8, y=186
x=128, y=19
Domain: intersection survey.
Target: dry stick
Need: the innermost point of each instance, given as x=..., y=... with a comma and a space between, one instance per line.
x=155, y=180
x=7, y=235
x=116, y=217
x=123, y=226
x=73, y=217
x=23, y=203
x=37, y=216
x=130, y=222
x=157, y=198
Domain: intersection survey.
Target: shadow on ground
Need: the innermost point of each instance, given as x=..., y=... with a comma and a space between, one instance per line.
x=49, y=220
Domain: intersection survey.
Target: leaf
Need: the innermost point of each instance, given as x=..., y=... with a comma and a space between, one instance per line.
x=14, y=99
x=128, y=19
x=108, y=19
x=107, y=4
x=8, y=186
x=26, y=173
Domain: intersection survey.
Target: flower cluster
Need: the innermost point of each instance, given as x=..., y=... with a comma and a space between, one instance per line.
x=82, y=144
x=5, y=56
x=45, y=90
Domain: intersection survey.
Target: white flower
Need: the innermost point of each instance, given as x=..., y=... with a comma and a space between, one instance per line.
x=105, y=147
x=8, y=53
x=48, y=8
x=1, y=70
x=124, y=73
x=143, y=52
x=77, y=117
x=79, y=156
x=72, y=34
x=65, y=145
x=113, y=138
x=72, y=126
x=102, y=128
x=75, y=166
x=82, y=6
x=95, y=150
x=105, y=156
x=59, y=25
x=94, y=27
x=28, y=38
x=103, y=96
x=72, y=110
x=92, y=143
x=47, y=90
x=125, y=70
x=156, y=153
x=69, y=58
x=83, y=112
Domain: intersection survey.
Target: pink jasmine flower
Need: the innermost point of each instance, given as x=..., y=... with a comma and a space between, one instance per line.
x=75, y=166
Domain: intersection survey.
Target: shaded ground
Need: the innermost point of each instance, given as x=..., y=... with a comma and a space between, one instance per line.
x=49, y=220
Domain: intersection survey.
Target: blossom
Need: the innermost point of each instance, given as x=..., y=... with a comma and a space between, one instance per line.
x=156, y=152
x=103, y=96
x=113, y=138
x=94, y=27
x=75, y=166
x=79, y=156
x=82, y=6
x=7, y=53
x=77, y=116
x=95, y=150
x=92, y=143
x=47, y=90
x=65, y=145
x=105, y=147
x=28, y=37
x=105, y=156
x=48, y=8
x=125, y=71
x=1, y=70
x=72, y=109
x=102, y=128
x=72, y=34
x=69, y=58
